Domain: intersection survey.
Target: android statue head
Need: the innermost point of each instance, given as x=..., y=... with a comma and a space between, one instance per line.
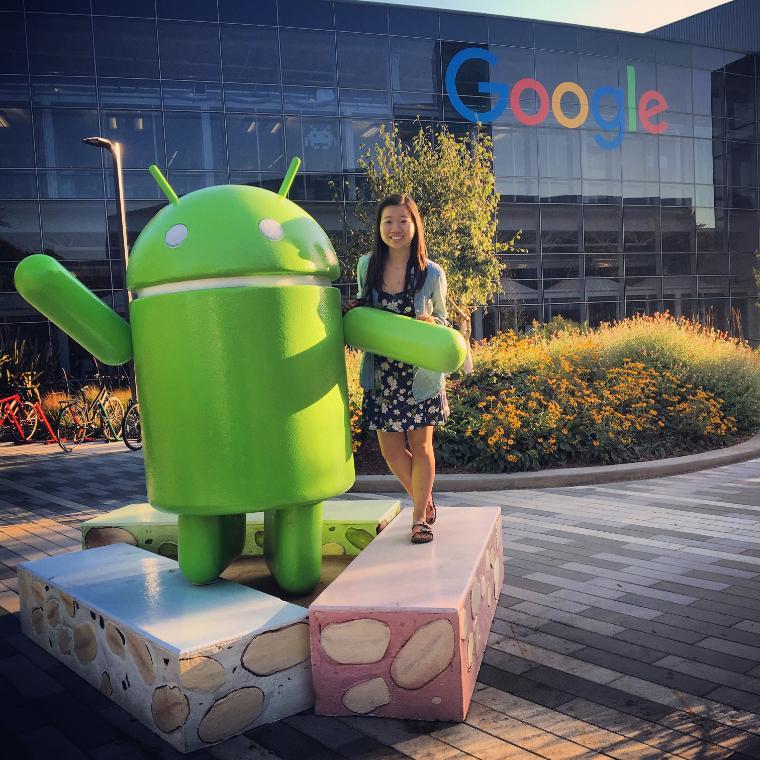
x=229, y=231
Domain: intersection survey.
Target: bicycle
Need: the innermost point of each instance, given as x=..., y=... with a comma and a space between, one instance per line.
x=34, y=413
x=79, y=418
x=12, y=413
x=130, y=426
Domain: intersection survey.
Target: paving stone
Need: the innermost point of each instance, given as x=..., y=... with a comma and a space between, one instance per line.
x=714, y=674
x=527, y=688
x=21, y=644
x=656, y=673
x=688, y=651
x=17, y=714
x=506, y=662
x=724, y=599
x=626, y=649
x=690, y=611
x=611, y=696
x=519, y=633
x=47, y=742
x=345, y=740
x=542, y=616
x=28, y=680
x=289, y=743
x=73, y=719
x=121, y=749
x=706, y=629
x=752, y=626
x=736, y=698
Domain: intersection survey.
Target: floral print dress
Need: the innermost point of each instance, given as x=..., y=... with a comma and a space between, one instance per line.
x=390, y=406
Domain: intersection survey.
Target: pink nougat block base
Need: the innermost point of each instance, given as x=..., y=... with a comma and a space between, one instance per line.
x=402, y=631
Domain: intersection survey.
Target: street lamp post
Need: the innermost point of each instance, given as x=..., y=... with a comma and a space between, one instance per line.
x=114, y=149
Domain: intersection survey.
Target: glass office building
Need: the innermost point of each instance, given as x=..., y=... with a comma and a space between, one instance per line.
x=626, y=205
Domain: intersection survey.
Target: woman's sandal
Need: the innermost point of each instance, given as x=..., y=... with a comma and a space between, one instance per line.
x=421, y=533
x=430, y=511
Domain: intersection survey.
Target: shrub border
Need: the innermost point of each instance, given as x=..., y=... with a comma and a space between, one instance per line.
x=573, y=476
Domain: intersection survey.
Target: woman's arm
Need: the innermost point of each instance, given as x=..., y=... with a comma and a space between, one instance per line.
x=438, y=298
x=359, y=278
x=361, y=273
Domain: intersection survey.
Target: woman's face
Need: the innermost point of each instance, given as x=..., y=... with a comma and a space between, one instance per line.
x=397, y=227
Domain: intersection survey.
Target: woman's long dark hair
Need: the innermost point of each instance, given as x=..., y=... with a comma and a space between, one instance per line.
x=416, y=270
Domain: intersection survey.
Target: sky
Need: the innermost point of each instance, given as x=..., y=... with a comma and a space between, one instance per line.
x=630, y=16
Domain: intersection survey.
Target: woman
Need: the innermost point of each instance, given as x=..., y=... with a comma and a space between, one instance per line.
x=401, y=402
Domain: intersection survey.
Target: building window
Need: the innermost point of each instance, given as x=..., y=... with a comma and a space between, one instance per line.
x=415, y=65
x=48, y=54
x=250, y=54
x=308, y=58
x=16, y=141
x=194, y=141
x=189, y=50
x=13, y=44
x=602, y=229
x=140, y=133
x=58, y=137
x=255, y=143
x=363, y=61
x=515, y=151
x=560, y=229
x=74, y=230
x=641, y=229
x=126, y=47
x=315, y=140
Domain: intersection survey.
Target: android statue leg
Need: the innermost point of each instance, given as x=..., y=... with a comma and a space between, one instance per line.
x=207, y=544
x=293, y=546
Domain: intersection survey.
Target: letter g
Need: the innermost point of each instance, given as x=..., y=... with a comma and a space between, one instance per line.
x=452, y=70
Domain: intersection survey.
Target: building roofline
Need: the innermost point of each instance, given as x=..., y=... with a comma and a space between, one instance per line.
x=494, y=16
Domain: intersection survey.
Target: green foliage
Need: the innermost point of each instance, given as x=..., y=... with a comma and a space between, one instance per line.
x=353, y=360
x=451, y=179
x=22, y=363
x=558, y=325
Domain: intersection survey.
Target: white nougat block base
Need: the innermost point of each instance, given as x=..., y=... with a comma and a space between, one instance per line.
x=195, y=664
x=348, y=527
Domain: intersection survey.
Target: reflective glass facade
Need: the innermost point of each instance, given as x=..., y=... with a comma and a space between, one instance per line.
x=229, y=91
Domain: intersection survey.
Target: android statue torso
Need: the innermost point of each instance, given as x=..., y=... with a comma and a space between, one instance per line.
x=243, y=397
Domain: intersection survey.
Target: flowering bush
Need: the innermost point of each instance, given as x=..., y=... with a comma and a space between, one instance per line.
x=647, y=387
x=354, y=398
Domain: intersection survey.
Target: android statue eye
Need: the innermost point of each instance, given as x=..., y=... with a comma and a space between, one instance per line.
x=271, y=229
x=176, y=235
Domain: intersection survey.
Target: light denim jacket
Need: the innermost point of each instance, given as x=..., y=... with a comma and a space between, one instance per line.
x=429, y=300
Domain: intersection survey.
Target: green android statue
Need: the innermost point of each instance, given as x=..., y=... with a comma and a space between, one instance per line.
x=237, y=336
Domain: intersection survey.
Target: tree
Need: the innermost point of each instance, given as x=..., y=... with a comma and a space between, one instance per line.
x=451, y=178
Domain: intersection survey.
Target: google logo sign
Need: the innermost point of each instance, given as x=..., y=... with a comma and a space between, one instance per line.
x=630, y=112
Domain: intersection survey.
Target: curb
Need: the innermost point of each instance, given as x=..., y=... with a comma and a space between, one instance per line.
x=573, y=476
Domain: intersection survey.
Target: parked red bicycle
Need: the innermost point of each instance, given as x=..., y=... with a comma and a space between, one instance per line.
x=23, y=417
x=9, y=407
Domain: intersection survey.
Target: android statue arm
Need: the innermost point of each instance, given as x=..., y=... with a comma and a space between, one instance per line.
x=73, y=307
x=431, y=345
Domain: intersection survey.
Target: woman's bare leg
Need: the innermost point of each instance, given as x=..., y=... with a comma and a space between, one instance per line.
x=423, y=469
x=397, y=457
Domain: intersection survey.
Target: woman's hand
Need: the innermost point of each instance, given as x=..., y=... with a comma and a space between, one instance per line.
x=351, y=304
x=425, y=318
